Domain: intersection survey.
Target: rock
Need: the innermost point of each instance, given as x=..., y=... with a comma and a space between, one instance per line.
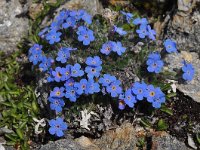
x=12, y=26
x=87, y=143
x=184, y=27
x=191, y=142
x=63, y=144
x=191, y=88
x=121, y=138
x=167, y=142
x=5, y=130
x=185, y=5
x=35, y=9
x=93, y=7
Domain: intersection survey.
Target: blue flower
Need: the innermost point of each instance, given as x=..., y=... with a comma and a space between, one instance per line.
x=57, y=92
x=57, y=127
x=92, y=87
x=158, y=100
x=87, y=18
x=57, y=74
x=50, y=77
x=56, y=104
x=154, y=56
x=170, y=46
x=63, y=15
x=188, y=70
x=81, y=29
x=66, y=73
x=93, y=61
x=70, y=22
x=71, y=93
x=151, y=33
x=129, y=16
x=53, y=37
x=114, y=88
x=107, y=47
x=77, y=14
x=155, y=64
x=142, y=21
x=129, y=98
x=85, y=35
x=55, y=26
x=46, y=63
x=139, y=89
x=69, y=83
x=63, y=55
x=107, y=79
x=152, y=93
x=93, y=71
x=35, y=49
x=35, y=58
x=120, y=31
x=117, y=47
x=121, y=104
x=81, y=86
x=142, y=32
x=76, y=70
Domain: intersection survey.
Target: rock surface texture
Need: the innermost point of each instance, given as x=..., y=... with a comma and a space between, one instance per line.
x=167, y=142
x=184, y=27
x=12, y=25
x=191, y=88
x=122, y=138
x=64, y=144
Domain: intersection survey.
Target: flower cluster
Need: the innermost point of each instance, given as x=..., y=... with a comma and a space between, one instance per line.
x=141, y=91
x=69, y=19
x=112, y=46
x=154, y=63
x=73, y=80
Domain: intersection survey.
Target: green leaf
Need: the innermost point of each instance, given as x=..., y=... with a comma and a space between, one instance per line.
x=162, y=125
x=126, y=27
x=10, y=136
x=22, y=125
x=166, y=110
x=35, y=107
x=170, y=95
x=198, y=137
x=11, y=143
x=145, y=122
x=20, y=133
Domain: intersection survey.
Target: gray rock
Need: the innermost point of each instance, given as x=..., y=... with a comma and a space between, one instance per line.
x=167, y=142
x=122, y=138
x=12, y=26
x=185, y=5
x=63, y=144
x=191, y=88
x=93, y=7
x=184, y=27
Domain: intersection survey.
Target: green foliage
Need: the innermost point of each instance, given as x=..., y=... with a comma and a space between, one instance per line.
x=162, y=125
x=145, y=122
x=198, y=138
x=141, y=142
x=17, y=102
x=166, y=110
